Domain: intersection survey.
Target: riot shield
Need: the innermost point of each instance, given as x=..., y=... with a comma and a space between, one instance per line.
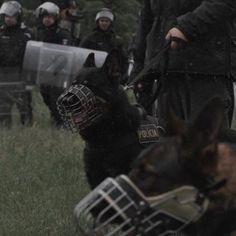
x=56, y=65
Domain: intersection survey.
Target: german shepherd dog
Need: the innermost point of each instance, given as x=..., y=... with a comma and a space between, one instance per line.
x=98, y=108
x=194, y=156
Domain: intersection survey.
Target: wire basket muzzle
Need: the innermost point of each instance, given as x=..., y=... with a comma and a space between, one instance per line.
x=118, y=207
x=79, y=108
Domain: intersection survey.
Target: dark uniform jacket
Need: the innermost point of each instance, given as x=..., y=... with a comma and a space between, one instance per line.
x=13, y=41
x=106, y=41
x=207, y=25
x=53, y=34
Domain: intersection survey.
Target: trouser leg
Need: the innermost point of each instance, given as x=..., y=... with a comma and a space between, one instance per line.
x=188, y=94
x=23, y=104
x=55, y=93
x=5, y=111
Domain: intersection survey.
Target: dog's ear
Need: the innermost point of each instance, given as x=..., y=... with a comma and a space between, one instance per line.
x=90, y=61
x=112, y=65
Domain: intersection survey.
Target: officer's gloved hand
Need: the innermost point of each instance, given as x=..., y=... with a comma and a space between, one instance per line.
x=142, y=112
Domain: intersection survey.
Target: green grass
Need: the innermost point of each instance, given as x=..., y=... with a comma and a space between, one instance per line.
x=41, y=177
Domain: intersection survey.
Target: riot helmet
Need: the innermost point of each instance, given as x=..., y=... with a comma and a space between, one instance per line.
x=11, y=8
x=47, y=8
x=106, y=13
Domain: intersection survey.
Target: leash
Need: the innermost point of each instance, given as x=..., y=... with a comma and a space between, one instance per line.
x=162, y=54
x=147, y=68
x=155, y=60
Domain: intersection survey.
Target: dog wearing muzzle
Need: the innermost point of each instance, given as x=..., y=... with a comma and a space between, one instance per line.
x=97, y=107
x=182, y=185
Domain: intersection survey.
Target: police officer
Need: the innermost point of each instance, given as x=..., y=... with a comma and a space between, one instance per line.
x=103, y=38
x=197, y=67
x=69, y=18
x=13, y=38
x=48, y=31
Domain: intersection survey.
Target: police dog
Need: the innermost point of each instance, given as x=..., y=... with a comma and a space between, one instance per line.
x=194, y=156
x=98, y=108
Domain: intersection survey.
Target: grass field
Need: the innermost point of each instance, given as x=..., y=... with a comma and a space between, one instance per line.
x=41, y=177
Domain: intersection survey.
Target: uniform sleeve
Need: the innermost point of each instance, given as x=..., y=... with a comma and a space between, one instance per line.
x=125, y=65
x=123, y=58
x=209, y=14
x=145, y=25
x=87, y=43
x=30, y=34
x=84, y=43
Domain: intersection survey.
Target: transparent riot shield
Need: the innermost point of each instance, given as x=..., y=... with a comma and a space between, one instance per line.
x=56, y=65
